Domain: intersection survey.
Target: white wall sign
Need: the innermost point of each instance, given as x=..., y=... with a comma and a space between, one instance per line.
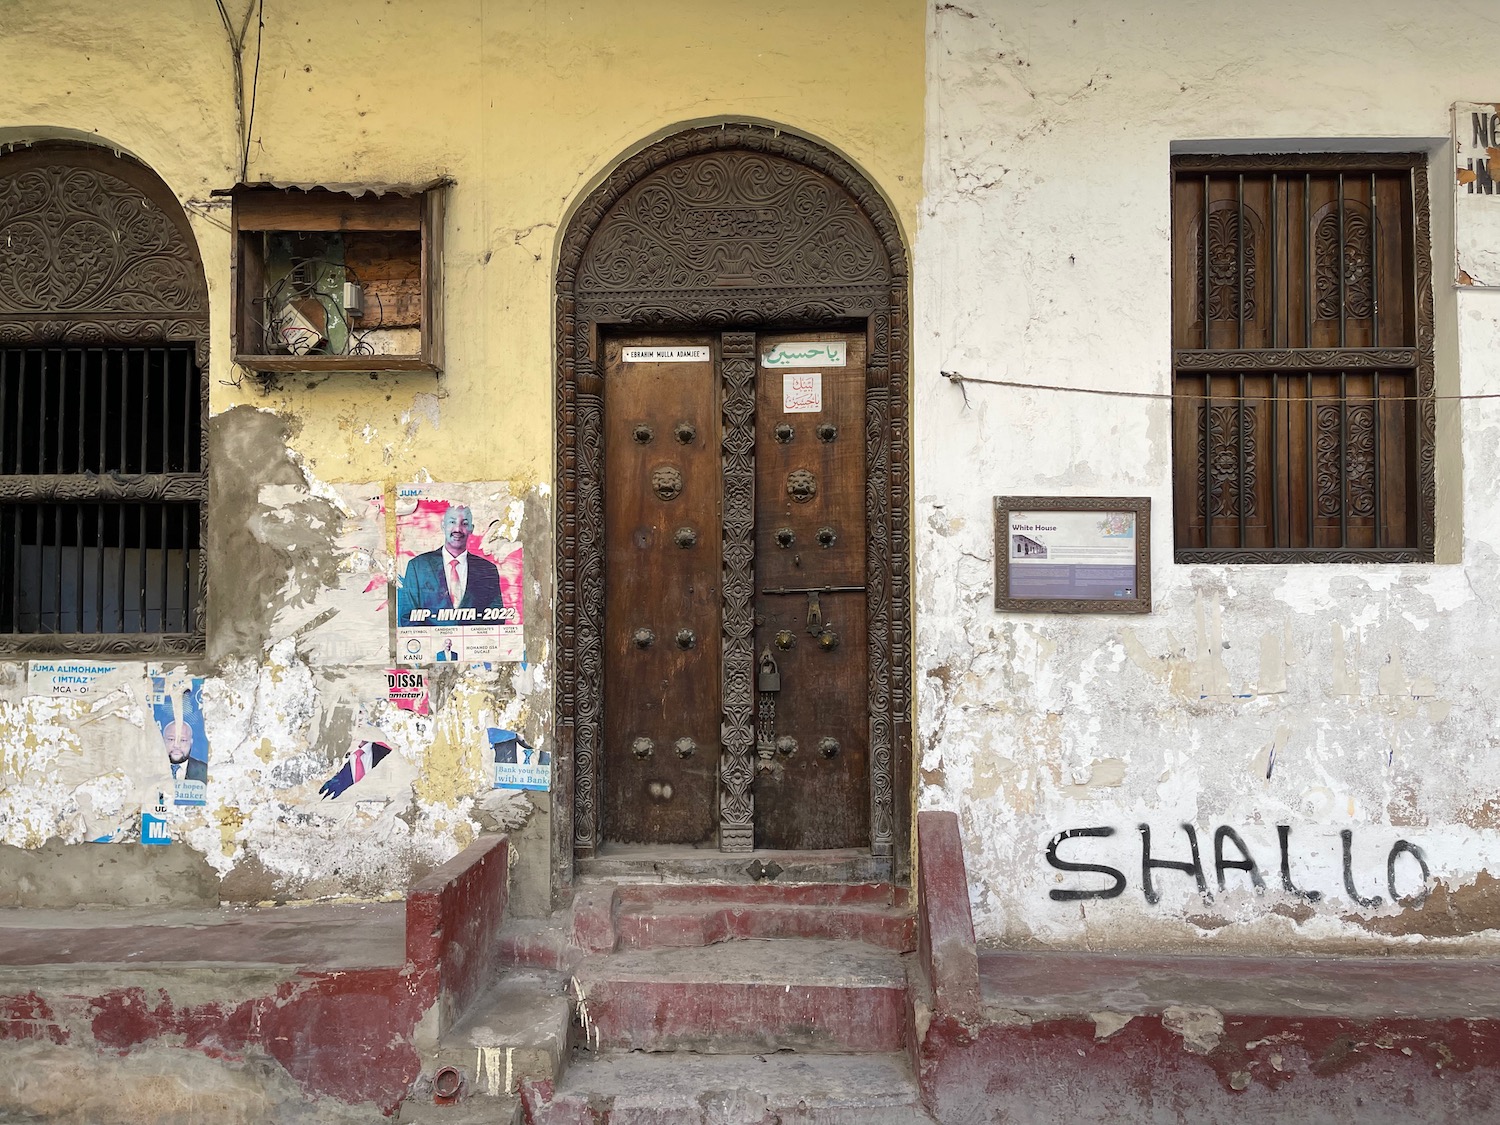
x=1476, y=193
x=76, y=678
x=806, y=353
x=667, y=355
x=802, y=392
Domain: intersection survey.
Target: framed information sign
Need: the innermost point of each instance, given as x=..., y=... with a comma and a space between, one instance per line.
x=1073, y=554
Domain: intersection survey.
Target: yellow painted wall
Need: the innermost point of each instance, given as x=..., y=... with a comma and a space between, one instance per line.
x=525, y=105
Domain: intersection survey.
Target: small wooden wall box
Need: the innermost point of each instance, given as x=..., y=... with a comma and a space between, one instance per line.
x=400, y=225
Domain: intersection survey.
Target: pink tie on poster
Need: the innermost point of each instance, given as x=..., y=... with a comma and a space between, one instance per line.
x=359, y=762
x=455, y=595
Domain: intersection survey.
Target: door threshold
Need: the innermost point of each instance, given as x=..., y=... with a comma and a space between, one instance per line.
x=684, y=863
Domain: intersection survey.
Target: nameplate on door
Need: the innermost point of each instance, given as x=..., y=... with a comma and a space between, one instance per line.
x=666, y=355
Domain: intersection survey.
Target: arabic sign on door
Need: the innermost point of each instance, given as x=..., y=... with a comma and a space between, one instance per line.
x=802, y=392
x=806, y=353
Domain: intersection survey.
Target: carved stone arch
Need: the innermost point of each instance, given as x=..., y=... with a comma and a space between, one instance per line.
x=96, y=248
x=729, y=226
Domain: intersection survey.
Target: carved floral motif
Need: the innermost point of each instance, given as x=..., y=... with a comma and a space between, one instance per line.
x=1223, y=455
x=1230, y=256
x=736, y=764
x=1355, y=477
x=80, y=241
x=732, y=218
x=1353, y=258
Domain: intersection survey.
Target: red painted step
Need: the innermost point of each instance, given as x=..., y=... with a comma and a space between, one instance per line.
x=655, y=916
x=746, y=996
x=665, y=925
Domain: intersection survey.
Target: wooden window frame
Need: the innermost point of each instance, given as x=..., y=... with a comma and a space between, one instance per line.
x=151, y=293
x=315, y=209
x=1414, y=360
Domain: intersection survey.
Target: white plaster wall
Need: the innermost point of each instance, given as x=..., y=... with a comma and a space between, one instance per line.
x=1043, y=256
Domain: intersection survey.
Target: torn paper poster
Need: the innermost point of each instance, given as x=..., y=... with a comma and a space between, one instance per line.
x=519, y=764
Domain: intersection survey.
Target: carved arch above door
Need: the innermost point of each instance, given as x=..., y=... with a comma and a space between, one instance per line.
x=730, y=227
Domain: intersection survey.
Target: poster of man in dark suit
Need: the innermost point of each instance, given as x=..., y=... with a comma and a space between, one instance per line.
x=459, y=595
x=450, y=577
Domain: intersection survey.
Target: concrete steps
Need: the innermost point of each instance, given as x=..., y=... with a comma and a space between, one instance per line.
x=607, y=916
x=668, y=917
x=518, y=1030
x=762, y=1089
x=697, y=1001
x=745, y=996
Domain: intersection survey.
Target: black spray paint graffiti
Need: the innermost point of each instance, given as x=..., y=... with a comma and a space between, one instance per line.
x=1223, y=863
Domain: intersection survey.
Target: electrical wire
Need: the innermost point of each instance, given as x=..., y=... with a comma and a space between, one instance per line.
x=301, y=282
x=254, y=86
x=960, y=380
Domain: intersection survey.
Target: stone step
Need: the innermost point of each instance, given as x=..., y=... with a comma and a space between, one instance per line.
x=690, y=1089
x=606, y=916
x=793, y=894
x=682, y=863
x=745, y=996
x=473, y=1111
x=539, y=944
x=517, y=1030
x=647, y=925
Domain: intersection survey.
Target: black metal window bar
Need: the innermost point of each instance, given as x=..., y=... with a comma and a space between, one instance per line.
x=1301, y=403
x=101, y=490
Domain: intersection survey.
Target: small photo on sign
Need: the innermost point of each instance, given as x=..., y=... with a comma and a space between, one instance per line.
x=802, y=392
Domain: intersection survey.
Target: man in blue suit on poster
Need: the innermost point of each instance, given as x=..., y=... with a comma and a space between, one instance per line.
x=448, y=577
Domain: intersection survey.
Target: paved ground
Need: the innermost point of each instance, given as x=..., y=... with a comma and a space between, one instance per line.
x=354, y=936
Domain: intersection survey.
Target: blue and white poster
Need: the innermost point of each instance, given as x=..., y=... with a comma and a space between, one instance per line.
x=177, y=709
x=519, y=764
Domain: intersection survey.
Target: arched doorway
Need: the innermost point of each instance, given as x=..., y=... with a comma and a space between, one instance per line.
x=733, y=481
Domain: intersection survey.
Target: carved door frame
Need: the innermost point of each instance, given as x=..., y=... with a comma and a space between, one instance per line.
x=811, y=287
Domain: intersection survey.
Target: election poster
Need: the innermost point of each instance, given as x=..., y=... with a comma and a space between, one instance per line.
x=177, y=710
x=459, y=570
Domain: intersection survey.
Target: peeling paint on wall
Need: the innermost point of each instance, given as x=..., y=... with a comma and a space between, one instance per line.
x=1324, y=700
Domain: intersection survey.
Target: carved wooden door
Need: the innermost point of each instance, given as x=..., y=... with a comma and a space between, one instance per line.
x=812, y=740
x=735, y=656
x=662, y=535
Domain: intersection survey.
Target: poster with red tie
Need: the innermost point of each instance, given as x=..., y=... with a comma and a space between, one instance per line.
x=458, y=574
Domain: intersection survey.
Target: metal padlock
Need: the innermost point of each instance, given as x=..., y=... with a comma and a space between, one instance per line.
x=769, y=678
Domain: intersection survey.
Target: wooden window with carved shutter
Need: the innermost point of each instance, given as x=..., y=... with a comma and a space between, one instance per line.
x=1303, y=416
x=103, y=405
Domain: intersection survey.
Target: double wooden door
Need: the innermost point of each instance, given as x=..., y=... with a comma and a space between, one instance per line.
x=735, y=658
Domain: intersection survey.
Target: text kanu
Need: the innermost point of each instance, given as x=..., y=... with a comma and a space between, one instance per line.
x=1224, y=836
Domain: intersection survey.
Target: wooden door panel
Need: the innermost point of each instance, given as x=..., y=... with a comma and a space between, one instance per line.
x=788, y=550
x=810, y=534
x=805, y=799
x=661, y=596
